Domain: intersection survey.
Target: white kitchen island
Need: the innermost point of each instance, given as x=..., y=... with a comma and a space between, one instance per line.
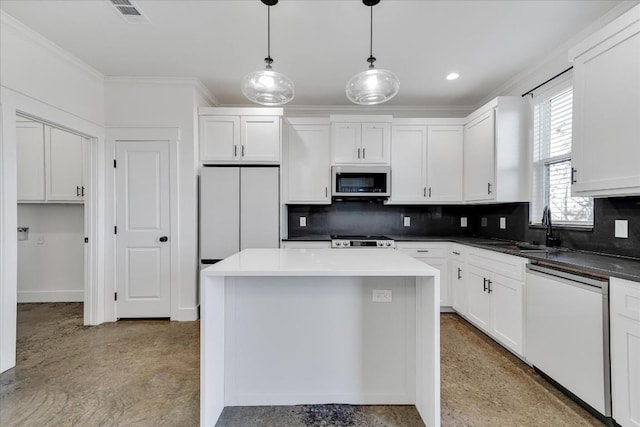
x=300, y=326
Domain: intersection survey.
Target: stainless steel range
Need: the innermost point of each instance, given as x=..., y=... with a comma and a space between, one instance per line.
x=382, y=242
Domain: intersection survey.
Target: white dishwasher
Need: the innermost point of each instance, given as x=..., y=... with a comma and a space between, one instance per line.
x=567, y=333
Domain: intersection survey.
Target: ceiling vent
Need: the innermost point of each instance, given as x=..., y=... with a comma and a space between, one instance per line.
x=129, y=11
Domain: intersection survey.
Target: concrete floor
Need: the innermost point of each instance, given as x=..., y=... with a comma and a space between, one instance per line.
x=146, y=373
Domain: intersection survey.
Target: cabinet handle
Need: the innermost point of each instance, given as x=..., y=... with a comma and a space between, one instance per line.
x=358, y=153
x=429, y=192
x=424, y=192
x=364, y=155
x=243, y=151
x=235, y=151
x=82, y=191
x=326, y=192
x=485, y=285
x=573, y=176
x=489, y=287
x=77, y=191
x=423, y=251
x=488, y=188
x=459, y=273
x=456, y=253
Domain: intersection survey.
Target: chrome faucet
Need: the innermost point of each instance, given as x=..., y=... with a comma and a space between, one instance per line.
x=546, y=221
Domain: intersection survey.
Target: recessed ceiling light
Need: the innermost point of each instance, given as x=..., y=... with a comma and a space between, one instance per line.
x=452, y=76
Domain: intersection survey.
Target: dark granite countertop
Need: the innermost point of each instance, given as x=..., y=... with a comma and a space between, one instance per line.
x=601, y=265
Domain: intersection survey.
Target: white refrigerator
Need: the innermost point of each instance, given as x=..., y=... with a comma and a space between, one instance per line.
x=239, y=209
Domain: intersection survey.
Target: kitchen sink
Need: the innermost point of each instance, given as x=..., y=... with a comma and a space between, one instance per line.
x=521, y=247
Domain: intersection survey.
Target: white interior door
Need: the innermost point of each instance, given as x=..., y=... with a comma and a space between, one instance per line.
x=143, y=252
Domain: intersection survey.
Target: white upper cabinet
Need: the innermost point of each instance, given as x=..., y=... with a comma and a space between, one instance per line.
x=30, y=158
x=496, y=152
x=426, y=163
x=49, y=163
x=240, y=135
x=606, y=116
x=308, y=162
x=360, y=140
x=64, y=152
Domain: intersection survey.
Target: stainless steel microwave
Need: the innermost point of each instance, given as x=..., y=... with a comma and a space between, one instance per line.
x=360, y=181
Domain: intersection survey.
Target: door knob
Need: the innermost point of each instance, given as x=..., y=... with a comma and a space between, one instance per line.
x=164, y=238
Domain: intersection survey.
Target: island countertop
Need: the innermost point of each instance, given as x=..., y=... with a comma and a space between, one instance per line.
x=320, y=262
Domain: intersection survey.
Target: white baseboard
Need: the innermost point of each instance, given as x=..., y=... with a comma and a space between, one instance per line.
x=50, y=296
x=186, y=314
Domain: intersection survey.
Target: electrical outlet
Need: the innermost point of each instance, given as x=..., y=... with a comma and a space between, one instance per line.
x=382, y=295
x=622, y=229
x=303, y=221
x=503, y=223
x=463, y=221
x=40, y=240
x=407, y=221
x=483, y=221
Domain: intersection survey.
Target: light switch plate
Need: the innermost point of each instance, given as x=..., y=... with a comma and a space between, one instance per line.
x=503, y=223
x=483, y=221
x=303, y=221
x=407, y=221
x=463, y=221
x=622, y=229
x=382, y=295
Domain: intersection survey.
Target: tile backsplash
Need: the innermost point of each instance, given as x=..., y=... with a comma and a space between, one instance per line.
x=364, y=217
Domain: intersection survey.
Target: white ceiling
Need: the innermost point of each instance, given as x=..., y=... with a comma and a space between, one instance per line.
x=319, y=44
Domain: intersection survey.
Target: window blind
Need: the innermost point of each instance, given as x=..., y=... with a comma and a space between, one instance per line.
x=551, y=181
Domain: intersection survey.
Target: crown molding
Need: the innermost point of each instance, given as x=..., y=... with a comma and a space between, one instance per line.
x=165, y=81
x=8, y=21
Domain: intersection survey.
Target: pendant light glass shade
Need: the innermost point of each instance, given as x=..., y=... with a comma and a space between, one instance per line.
x=268, y=87
x=372, y=86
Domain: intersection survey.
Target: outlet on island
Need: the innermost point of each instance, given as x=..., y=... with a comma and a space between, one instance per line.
x=382, y=295
x=303, y=221
x=407, y=221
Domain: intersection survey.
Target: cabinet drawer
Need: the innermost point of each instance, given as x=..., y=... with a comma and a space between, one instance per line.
x=306, y=245
x=505, y=265
x=625, y=298
x=424, y=250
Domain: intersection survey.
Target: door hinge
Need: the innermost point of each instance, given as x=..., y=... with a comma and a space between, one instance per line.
x=115, y=296
x=114, y=163
x=86, y=240
x=115, y=229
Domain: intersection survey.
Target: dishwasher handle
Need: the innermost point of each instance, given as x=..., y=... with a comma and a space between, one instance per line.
x=588, y=283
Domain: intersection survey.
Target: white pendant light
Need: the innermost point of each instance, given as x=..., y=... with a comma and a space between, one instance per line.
x=372, y=86
x=268, y=87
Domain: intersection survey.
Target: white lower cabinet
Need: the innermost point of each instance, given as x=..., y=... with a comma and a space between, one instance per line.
x=436, y=255
x=457, y=275
x=495, y=302
x=625, y=351
x=307, y=244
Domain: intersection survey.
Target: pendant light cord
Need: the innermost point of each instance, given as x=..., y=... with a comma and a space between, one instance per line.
x=268, y=59
x=371, y=58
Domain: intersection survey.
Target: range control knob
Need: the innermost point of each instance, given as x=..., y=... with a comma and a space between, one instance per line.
x=388, y=243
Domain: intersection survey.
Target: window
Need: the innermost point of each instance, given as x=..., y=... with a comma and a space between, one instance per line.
x=552, y=172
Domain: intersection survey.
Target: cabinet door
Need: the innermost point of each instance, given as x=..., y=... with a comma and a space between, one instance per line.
x=625, y=351
x=606, y=152
x=408, y=164
x=219, y=139
x=479, y=158
x=442, y=265
x=507, y=312
x=346, y=142
x=478, y=299
x=64, y=152
x=375, y=145
x=260, y=139
x=308, y=164
x=444, y=163
x=30, y=158
x=458, y=290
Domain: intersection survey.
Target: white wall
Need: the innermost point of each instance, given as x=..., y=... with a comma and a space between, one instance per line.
x=155, y=102
x=51, y=261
